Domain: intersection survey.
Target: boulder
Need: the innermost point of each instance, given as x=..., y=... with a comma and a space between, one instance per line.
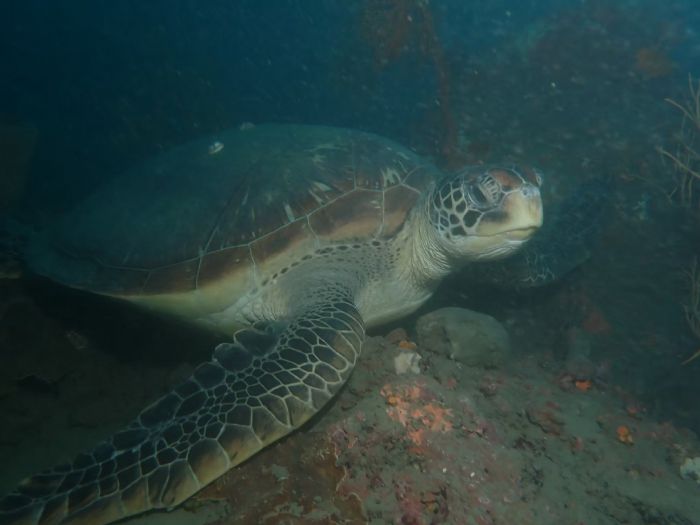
x=469, y=337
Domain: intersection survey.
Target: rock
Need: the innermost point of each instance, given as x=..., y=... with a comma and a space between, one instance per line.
x=469, y=337
x=407, y=361
x=690, y=469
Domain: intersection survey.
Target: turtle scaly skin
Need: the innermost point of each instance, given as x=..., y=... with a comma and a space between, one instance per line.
x=303, y=287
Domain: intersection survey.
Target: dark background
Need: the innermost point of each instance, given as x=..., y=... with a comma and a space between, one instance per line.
x=106, y=84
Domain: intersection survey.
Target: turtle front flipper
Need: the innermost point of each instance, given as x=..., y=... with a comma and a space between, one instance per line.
x=265, y=384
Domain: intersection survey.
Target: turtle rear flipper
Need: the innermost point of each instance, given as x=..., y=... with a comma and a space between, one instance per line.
x=254, y=391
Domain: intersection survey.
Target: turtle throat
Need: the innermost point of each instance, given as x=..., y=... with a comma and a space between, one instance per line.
x=426, y=257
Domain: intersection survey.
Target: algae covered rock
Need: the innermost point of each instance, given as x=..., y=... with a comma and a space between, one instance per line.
x=690, y=469
x=469, y=337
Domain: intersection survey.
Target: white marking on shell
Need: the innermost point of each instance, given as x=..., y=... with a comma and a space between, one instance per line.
x=316, y=197
x=215, y=147
x=321, y=186
x=390, y=176
x=318, y=160
x=289, y=212
x=325, y=146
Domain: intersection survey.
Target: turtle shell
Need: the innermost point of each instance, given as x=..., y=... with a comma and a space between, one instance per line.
x=245, y=202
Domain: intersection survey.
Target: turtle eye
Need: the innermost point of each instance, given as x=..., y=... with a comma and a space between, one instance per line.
x=483, y=193
x=478, y=196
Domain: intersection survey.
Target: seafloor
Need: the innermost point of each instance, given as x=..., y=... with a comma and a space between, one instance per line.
x=535, y=439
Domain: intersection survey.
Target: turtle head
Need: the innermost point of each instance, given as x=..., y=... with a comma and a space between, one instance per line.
x=487, y=212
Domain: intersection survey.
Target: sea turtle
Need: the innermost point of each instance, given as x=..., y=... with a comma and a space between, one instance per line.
x=296, y=238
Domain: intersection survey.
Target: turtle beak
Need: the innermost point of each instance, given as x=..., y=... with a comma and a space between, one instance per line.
x=518, y=216
x=524, y=209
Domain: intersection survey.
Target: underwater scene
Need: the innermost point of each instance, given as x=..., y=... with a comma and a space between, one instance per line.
x=350, y=262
